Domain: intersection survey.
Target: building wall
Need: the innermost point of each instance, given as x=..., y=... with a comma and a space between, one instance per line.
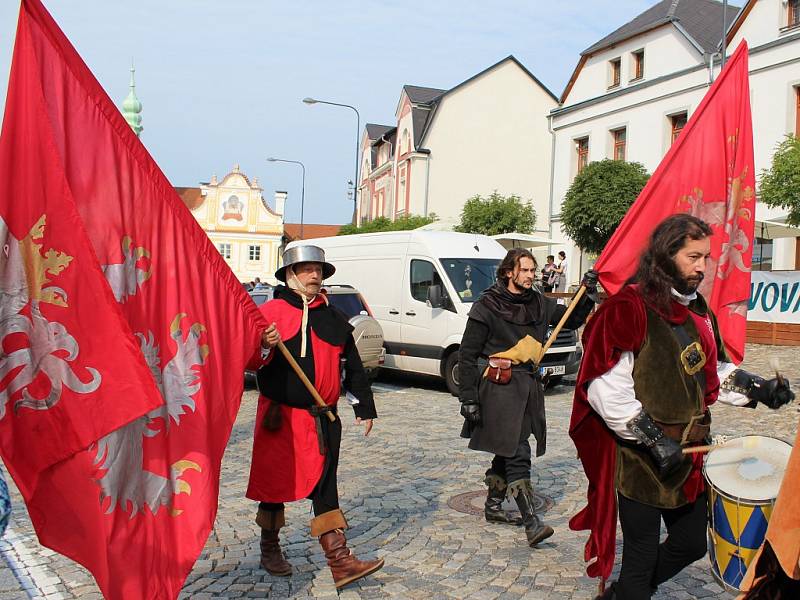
x=491, y=134
x=665, y=51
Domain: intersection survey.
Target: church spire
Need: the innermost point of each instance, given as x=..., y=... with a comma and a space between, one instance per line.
x=132, y=107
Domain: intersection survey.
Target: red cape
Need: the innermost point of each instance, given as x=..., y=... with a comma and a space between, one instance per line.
x=286, y=463
x=619, y=325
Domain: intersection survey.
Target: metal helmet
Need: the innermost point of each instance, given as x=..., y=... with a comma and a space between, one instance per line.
x=301, y=254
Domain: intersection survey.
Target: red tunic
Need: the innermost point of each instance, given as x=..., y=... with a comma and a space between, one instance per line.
x=287, y=463
x=620, y=325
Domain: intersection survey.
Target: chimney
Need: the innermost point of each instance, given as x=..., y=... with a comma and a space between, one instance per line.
x=280, y=202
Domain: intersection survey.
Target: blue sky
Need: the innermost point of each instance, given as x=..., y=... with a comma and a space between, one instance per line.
x=222, y=81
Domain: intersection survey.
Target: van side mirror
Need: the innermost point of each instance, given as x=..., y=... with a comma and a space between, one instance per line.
x=435, y=299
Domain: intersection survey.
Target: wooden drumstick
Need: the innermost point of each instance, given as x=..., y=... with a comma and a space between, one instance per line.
x=748, y=444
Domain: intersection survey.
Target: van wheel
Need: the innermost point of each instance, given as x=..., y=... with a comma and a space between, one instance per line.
x=451, y=373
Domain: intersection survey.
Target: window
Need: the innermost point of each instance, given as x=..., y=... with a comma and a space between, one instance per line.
x=620, y=137
x=797, y=111
x=254, y=252
x=615, y=73
x=793, y=13
x=677, y=123
x=638, y=65
x=225, y=251
x=762, y=255
x=423, y=276
x=582, y=148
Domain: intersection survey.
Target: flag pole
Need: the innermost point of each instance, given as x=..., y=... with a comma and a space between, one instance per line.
x=554, y=334
x=309, y=386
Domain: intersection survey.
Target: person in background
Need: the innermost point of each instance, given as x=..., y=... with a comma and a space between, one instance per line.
x=558, y=276
x=547, y=270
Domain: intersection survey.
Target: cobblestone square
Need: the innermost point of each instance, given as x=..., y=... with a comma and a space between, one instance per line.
x=395, y=487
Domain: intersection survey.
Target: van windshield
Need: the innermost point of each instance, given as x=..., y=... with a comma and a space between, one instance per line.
x=470, y=276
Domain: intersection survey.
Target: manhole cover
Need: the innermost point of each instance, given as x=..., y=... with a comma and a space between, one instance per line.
x=471, y=503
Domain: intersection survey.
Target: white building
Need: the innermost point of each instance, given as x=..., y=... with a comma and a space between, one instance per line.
x=488, y=133
x=632, y=92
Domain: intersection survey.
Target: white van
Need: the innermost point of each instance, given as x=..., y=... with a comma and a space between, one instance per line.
x=420, y=285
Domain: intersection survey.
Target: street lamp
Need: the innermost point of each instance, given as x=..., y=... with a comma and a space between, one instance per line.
x=302, y=188
x=358, y=139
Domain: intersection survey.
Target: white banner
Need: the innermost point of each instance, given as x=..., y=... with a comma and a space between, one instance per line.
x=774, y=297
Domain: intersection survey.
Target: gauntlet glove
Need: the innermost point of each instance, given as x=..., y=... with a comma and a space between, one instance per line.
x=665, y=451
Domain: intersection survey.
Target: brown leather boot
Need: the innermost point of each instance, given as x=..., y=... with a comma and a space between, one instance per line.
x=272, y=558
x=345, y=567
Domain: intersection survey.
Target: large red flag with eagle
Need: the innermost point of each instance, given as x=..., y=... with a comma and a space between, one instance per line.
x=708, y=173
x=124, y=334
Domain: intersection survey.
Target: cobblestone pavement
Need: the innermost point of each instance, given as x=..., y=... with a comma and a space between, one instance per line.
x=395, y=487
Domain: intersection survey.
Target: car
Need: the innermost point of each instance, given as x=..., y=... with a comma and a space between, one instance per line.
x=367, y=332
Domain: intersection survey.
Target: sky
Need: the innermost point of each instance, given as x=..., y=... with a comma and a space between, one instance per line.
x=221, y=82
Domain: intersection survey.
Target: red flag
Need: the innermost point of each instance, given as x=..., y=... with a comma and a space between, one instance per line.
x=169, y=331
x=708, y=172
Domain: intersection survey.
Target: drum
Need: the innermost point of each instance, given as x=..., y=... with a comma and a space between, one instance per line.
x=743, y=478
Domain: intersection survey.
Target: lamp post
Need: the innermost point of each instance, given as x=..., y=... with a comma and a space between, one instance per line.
x=358, y=139
x=302, y=187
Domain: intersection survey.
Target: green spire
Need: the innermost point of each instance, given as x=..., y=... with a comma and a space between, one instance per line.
x=132, y=107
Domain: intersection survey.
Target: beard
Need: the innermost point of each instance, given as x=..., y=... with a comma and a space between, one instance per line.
x=517, y=284
x=688, y=285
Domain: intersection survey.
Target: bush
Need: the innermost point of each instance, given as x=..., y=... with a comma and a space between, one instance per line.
x=598, y=199
x=403, y=223
x=780, y=184
x=497, y=214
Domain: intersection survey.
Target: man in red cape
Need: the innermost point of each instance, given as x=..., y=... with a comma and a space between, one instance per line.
x=296, y=446
x=654, y=362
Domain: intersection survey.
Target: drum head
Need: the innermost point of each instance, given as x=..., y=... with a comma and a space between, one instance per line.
x=749, y=467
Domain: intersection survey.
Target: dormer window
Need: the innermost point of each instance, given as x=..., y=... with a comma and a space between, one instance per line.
x=793, y=13
x=615, y=72
x=637, y=65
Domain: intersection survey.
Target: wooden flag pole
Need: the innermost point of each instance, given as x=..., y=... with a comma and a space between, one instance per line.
x=309, y=386
x=554, y=334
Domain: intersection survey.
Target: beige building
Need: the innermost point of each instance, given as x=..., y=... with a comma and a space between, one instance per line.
x=488, y=133
x=244, y=229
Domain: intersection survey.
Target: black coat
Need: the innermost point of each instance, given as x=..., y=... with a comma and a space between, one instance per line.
x=513, y=411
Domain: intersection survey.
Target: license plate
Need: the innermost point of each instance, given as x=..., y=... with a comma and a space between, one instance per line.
x=554, y=370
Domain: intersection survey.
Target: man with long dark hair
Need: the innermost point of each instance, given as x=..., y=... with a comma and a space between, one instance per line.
x=653, y=364
x=501, y=392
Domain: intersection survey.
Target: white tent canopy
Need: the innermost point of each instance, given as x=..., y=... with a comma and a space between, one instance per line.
x=771, y=229
x=522, y=240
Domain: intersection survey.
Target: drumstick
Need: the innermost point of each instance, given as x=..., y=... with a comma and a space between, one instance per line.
x=775, y=364
x=748, y=444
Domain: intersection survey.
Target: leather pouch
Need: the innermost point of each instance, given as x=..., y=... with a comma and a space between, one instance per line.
x=499, y=370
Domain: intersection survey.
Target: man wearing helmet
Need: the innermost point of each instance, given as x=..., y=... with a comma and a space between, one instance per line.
x=296, y=445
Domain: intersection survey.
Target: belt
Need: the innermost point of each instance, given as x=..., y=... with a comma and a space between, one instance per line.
x=696, y=430
x=482, y=363
x=317, y=412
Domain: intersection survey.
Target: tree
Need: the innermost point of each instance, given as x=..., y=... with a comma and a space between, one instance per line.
x=496, y=214
x=597, y=200
x=403, y=223
x=780, y=184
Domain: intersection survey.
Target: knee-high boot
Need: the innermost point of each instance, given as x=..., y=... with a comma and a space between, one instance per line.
x=272, y=558
x=495, y=494
x=345, y=567
x=535, y=530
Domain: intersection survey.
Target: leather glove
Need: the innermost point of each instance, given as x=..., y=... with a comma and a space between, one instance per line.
x=665, y=451
x=773, y=392
x=589, y=281
x=471, y=412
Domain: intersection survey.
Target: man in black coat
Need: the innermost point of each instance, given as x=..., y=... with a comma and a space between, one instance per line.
x=501, y=393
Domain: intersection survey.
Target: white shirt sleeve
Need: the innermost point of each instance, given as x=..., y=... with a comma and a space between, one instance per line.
x=612, y=396
x=727, y=396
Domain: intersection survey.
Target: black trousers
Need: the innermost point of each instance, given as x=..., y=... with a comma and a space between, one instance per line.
x=325, y=495
x=646, y=563
x=513, y=468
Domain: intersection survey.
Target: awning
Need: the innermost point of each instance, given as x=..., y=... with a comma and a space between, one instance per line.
x=771, y=229
x=523, y=240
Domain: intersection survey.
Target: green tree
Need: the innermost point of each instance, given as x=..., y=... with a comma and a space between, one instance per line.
x=496, y=214
x=403, y=223
x=597, y=200
x=780, y=184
